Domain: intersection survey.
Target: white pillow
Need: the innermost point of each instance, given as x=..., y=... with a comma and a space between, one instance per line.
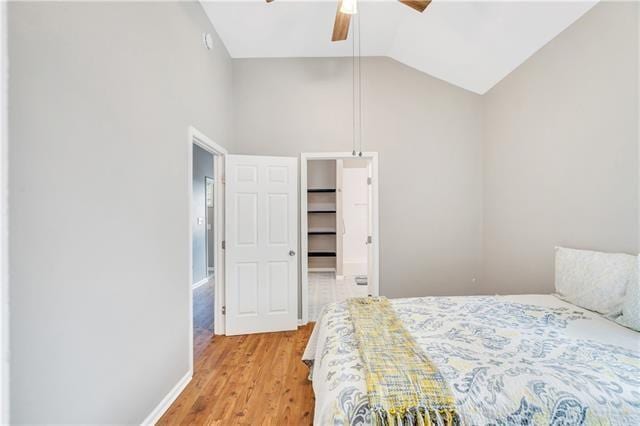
x=631, y=306
x=594, y=280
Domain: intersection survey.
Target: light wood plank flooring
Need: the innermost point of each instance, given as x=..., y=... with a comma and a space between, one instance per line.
x=203, y=307
x=256, y=379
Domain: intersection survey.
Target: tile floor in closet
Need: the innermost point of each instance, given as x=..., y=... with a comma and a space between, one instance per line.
x=325, y=288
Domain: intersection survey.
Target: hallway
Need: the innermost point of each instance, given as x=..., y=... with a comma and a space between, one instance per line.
x=203, y=309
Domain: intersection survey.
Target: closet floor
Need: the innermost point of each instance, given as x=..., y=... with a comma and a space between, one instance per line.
x=325, y=288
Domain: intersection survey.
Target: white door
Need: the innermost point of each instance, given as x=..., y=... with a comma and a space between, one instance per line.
x=261, y=244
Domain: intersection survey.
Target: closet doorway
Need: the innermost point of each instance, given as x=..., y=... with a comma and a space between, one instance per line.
x=339, y=229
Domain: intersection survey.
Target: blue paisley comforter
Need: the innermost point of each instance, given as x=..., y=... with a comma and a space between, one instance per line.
x=512, y=360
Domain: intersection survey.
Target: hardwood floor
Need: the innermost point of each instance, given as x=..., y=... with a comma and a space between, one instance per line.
x=203, y=307
x=256, y=379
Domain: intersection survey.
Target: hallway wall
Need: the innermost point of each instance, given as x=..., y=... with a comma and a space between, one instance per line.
x=202, y=169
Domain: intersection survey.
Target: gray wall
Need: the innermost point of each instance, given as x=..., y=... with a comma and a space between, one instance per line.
x=560, y=167
x=101, y=96
x=202, y=168
x=428, y=134
x=561, y=152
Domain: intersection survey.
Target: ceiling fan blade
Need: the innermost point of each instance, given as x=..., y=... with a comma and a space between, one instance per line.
x=341, y=25
x=269, y=1
x=419, y=5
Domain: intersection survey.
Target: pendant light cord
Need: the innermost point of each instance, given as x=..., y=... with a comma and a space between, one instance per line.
x=353, y=84
x=360, y=82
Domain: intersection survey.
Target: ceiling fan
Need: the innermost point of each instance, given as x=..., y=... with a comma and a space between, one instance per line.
x=346, y=8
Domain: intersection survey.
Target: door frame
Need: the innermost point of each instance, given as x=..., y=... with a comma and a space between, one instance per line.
x=304, y=242
x=220, y=153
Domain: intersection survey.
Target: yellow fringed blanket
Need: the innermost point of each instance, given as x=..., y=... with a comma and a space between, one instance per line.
x=404, y=387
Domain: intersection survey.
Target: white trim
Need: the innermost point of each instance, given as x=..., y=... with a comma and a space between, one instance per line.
x=169, y=398
x=200, y=139
x=339, y=217
x=201, y=283
x=321, y=270
x=4, y=220
x=304, y=243
x=375, y=278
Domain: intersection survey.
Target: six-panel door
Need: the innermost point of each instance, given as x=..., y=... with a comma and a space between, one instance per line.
x=261, y=244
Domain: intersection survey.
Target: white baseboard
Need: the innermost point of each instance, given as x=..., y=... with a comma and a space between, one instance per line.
x=200, y=283
x=301, y=322
x=166, y=402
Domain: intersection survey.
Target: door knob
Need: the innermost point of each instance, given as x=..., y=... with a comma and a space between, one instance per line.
x=292, y=253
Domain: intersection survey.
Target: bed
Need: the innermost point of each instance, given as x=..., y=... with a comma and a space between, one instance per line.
x=526, y=359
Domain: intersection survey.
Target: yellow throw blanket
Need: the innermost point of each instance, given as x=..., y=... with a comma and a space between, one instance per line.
x=404, y=387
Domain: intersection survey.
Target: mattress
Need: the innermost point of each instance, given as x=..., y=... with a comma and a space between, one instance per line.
x=526, y=359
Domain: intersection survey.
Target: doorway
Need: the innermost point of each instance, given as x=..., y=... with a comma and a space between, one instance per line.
x=339, y=229
x=206, y=230
x=203, y=216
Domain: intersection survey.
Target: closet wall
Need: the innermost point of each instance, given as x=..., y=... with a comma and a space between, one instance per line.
x=354, y=194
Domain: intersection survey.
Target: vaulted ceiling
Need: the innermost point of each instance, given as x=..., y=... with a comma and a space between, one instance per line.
x=471, y=44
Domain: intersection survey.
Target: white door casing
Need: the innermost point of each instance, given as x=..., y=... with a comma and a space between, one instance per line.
x=374, y=261
x=261, y=244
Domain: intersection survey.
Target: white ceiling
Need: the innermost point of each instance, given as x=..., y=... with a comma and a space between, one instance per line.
x=472, y=44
